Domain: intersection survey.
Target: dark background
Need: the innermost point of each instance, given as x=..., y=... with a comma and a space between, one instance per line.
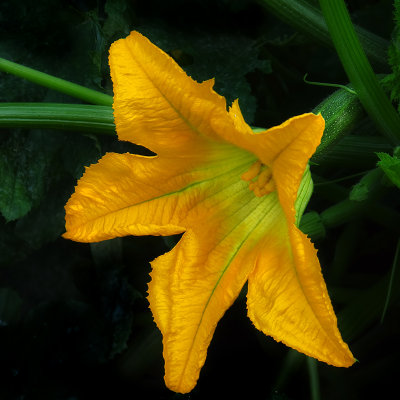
x=74, y=320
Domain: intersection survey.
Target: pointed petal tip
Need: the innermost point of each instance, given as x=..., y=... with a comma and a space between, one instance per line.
x=65, y=235
x=346, y=360
x=75, y=238
x=341, y=357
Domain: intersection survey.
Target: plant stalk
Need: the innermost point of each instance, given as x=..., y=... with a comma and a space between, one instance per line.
x=359, y=71
x=58, y=84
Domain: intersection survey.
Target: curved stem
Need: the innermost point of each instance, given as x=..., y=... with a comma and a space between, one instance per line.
x=359, y=71
x=52, y=82
x=314, y=378
x=304, y=17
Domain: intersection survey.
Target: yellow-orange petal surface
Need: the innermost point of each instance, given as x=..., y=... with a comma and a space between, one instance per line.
x=156, y=104
x=288, y=300
x=125, y=194
x=194, y=284
x=234, y=230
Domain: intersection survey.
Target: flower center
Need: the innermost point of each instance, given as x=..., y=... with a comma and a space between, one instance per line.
x=260, y=179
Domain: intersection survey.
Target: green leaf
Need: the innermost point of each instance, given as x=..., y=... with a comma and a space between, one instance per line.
x=359, y=192
x=364, y=188
x=30, y=229
x=390, y=166
x=117, y=24
x=37, y=173
x=24, y=169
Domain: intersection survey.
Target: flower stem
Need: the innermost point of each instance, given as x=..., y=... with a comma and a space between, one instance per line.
x=359, y=71
x=306, y=18
x=61, y=85
x=391, y=279
x=72, y=117
x=349, y=210
x=314, y=379
x=342, y=212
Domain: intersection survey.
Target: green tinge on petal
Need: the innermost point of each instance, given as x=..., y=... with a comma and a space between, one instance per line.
x=303, y=194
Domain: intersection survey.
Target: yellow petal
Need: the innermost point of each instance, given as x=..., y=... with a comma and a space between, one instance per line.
x=286, y=148
x=156, y=104
x=194, y=284
x=288, y=300
x=298, y=139
x=113, y=198
x=125, y=194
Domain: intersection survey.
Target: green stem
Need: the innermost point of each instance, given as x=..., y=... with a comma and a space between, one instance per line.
x=306, y=18
x=99, y=119
x=348, y=210
x=72, y=117
x=342, y=212
x=364, y=309
x=326, y=84
x=314, y=379
x=61, y=85
x=359, y=71
x=391, y=279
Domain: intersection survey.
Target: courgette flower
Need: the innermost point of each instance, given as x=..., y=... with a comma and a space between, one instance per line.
x=230, y=191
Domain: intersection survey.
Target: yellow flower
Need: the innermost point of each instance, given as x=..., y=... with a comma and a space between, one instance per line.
x=230, y=190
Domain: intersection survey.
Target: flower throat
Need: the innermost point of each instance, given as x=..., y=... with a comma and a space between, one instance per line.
x=260, y=179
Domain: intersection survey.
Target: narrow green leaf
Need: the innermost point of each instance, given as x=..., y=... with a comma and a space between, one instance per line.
x=363, y=189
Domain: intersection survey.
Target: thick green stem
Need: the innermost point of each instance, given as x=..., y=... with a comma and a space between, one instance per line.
x=306, y=18
x=359, y=71
x=99, y=119
x=61, y=85
x=72, y=117
x=349, y=210
x=342, y=212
